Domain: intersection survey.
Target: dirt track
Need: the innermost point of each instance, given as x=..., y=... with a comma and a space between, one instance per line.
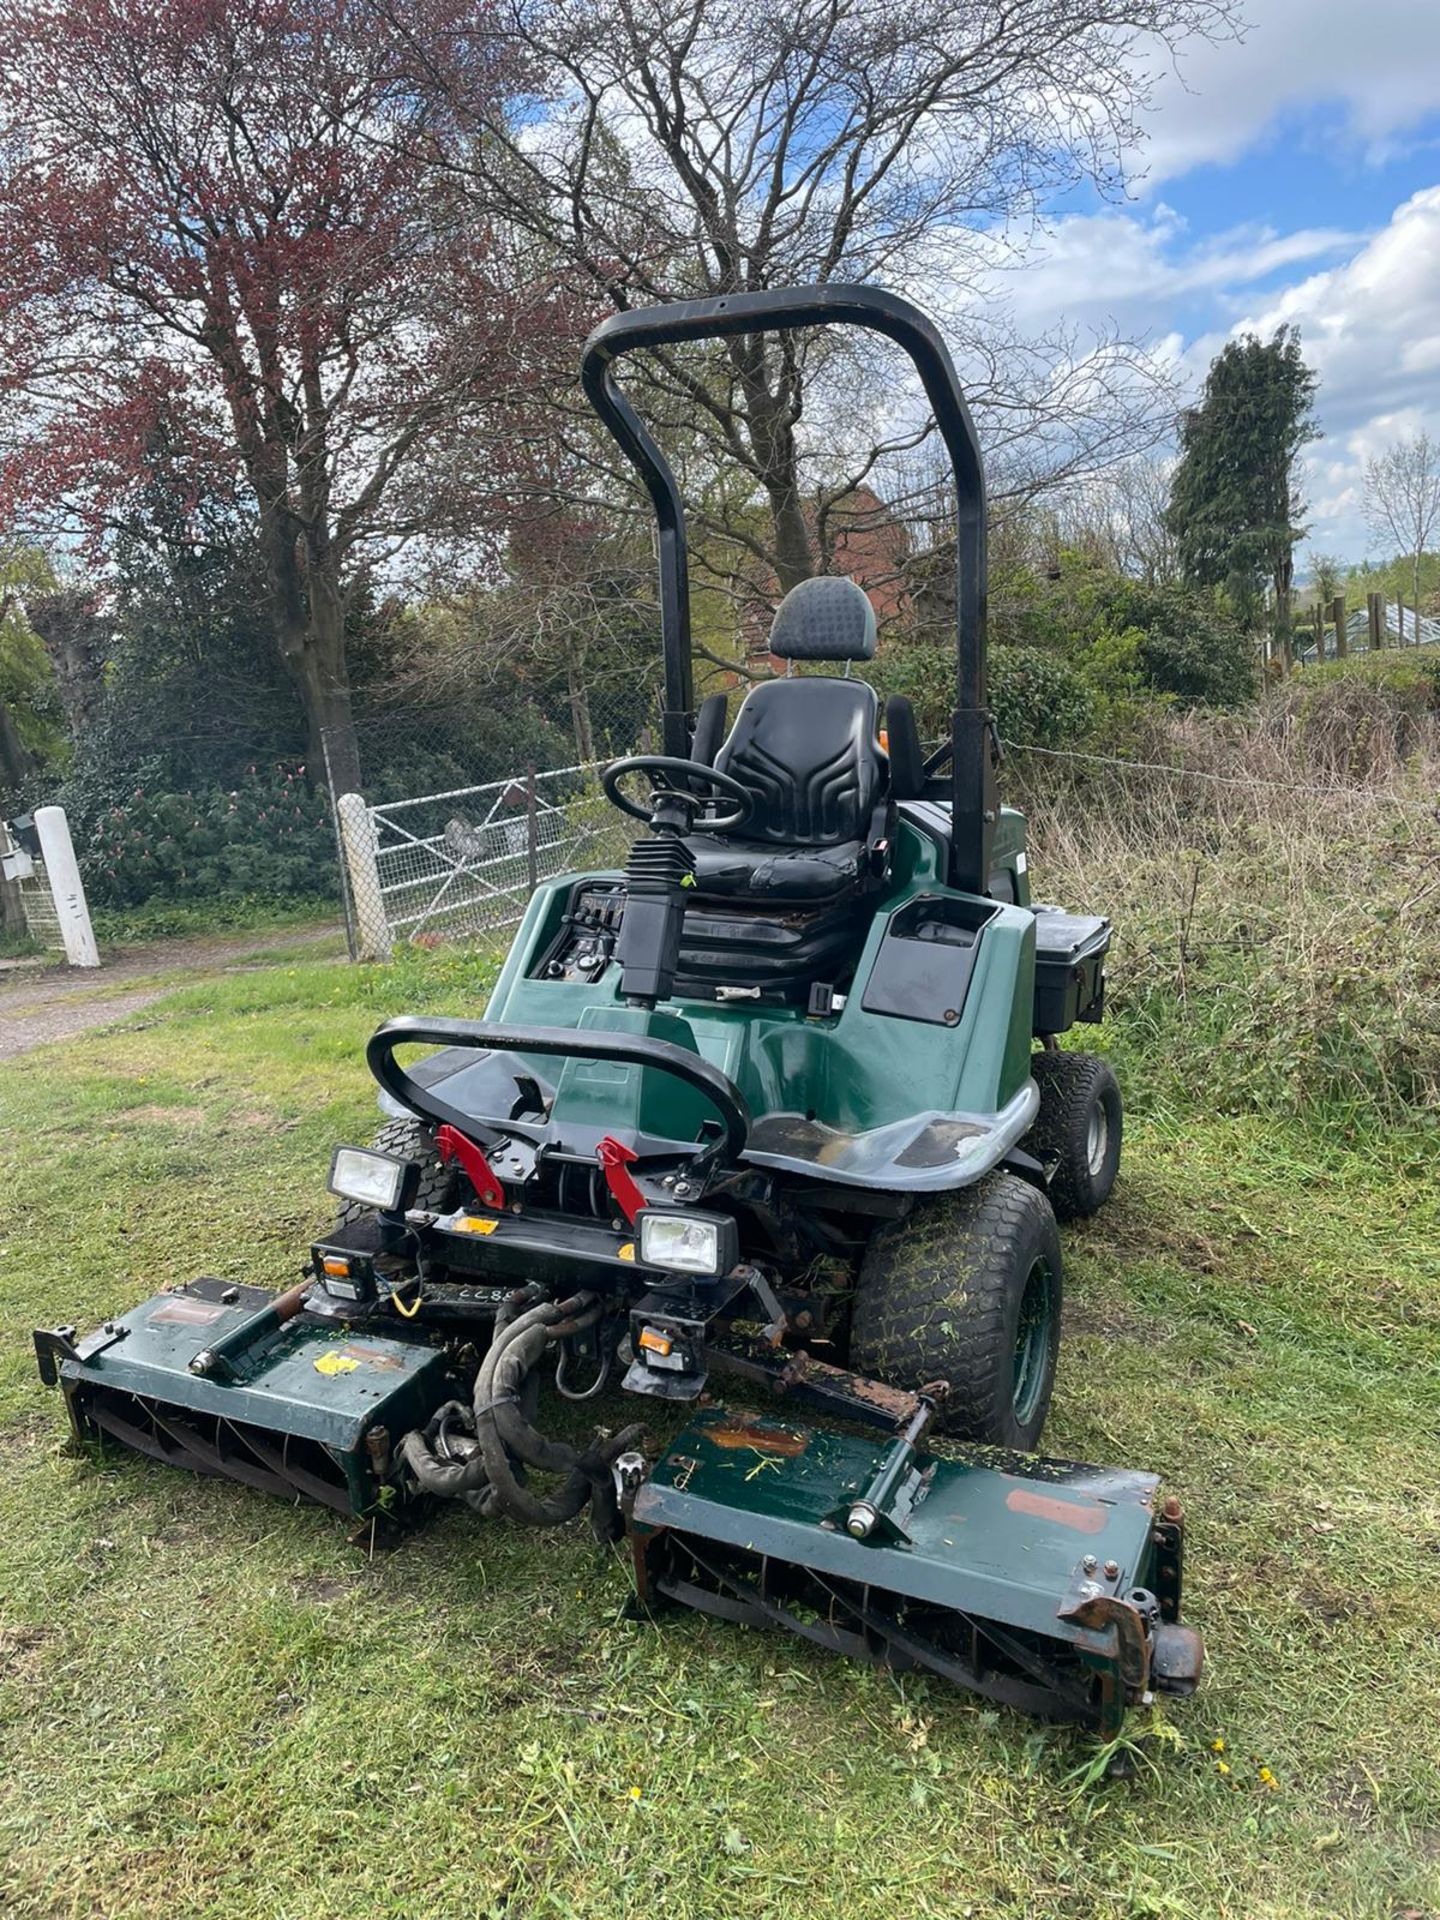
x=38, y=1005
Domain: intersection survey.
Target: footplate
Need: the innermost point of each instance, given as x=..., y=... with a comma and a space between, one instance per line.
x=1047, y=1584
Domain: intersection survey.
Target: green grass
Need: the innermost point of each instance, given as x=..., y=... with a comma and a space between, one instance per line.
x=210, y=1704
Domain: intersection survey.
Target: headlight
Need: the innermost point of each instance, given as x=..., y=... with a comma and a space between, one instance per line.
x=687, y=1242
x=374, y=1179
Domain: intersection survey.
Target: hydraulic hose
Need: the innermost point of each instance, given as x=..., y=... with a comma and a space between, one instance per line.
x=502, y=1429
x=502, y=1374
x=506, y=1389
x=448, y=1478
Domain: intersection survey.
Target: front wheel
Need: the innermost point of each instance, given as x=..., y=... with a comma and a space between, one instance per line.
x=1078, y=1130
x=967, y=1290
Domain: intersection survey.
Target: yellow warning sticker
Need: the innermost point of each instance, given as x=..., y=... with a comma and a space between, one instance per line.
x=336, y=1363
x=472, y=1223
x=626, y=1252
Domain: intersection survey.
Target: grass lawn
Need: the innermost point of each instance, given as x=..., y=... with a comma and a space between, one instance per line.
x=211, y=1704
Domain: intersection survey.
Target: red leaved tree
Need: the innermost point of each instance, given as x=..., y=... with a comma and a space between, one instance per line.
x=234, y=245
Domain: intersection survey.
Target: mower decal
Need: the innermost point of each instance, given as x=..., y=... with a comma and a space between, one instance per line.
x=471, y=1223
x=759, y=1436
x=178, y=1311
x=336, y=1363
x=1089, y=1517
x=381, y=1358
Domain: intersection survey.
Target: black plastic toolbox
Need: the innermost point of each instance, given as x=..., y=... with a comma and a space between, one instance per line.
x=1070, y=951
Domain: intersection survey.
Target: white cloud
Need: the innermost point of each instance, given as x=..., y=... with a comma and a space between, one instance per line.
x=1371, y=330
x=1137, y=268
x=1368, y=314
x=1377, y=62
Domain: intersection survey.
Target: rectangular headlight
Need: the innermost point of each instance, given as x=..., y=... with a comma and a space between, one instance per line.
x=374, y=1179
x=686, y=1242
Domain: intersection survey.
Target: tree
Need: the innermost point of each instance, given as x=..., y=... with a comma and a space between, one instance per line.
x=31, y=734
x=76, y=633
x=702, y=147
x=1402, y=503
x=232, y=255
x=1234, y=501
x=1327, y=576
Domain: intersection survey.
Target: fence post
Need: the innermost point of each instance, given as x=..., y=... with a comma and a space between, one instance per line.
x=532, y=830
x=1375, y=607
x=1337, y=614
x=1317, y=620
x=67, y=890
x=357, y=837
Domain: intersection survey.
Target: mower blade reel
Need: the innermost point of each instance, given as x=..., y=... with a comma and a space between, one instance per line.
x=1047, y=1585
x=308, y=1413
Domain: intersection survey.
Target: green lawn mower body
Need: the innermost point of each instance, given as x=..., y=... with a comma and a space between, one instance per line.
x=757, y=1129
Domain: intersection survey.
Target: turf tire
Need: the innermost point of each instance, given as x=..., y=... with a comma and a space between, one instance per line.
x=411, y=1140
x=1080, y=1124
x=967, y=1289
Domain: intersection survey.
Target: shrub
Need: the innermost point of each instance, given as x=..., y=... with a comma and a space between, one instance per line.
x=270, y=835
x=1037, y=696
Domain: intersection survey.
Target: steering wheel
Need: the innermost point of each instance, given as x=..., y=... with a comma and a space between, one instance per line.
x=665, y=776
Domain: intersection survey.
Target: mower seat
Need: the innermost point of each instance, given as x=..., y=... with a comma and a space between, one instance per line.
x=809, y=751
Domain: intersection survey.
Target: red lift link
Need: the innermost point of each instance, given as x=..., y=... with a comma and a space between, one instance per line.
x=454, y=1145
x=615, y=1158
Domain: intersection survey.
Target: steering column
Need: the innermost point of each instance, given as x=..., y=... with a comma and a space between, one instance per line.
x=684, y=795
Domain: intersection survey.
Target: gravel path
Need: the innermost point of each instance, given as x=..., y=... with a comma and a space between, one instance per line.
x=56, y=1003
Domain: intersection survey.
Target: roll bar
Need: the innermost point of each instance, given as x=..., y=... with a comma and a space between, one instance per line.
x=973, y=792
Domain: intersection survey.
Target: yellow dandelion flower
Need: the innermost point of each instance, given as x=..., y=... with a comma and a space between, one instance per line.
x=635, y=1793
x=1221, y=1767
x=1217, y=1746
x=1267, y=1778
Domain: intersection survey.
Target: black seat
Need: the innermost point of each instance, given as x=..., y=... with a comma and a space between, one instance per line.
x=809, y=751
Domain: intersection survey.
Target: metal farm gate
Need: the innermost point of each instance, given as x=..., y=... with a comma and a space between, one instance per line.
x=463, y=864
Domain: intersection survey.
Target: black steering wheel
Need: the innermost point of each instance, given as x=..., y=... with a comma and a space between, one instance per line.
x=666, y=776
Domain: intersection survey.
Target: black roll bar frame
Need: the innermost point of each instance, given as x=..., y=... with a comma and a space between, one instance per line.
x=973, y=740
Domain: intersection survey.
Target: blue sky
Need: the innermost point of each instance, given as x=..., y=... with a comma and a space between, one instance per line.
x=1294, y=176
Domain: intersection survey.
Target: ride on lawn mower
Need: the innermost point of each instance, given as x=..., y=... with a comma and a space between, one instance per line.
x=763, y=1116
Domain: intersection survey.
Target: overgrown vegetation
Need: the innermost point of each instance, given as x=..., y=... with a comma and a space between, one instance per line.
x=1275, y=895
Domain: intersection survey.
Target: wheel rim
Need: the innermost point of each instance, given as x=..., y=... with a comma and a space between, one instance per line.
x=1097, y=1138
x=1032, y=1340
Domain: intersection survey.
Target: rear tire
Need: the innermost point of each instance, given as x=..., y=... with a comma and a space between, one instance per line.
x=967, y=1289
x=1080, y=1126
x=410, y=1140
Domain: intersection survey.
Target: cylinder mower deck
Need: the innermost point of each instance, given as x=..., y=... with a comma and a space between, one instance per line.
x=1044, y=1584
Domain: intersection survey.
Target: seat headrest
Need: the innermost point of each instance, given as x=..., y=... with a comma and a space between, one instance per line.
x=826, y=618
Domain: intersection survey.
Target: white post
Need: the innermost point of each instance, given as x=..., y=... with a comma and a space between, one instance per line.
x=67, y=889
x=357, y=837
